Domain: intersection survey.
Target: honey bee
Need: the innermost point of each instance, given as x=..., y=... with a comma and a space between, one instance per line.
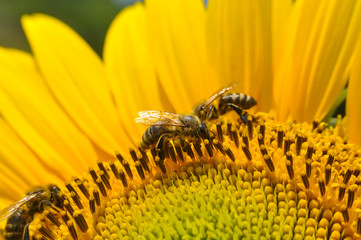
x=169, y=124
x=227, y=102
x=21, y=213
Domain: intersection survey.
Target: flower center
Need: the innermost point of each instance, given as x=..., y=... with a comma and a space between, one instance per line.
x=260, y=180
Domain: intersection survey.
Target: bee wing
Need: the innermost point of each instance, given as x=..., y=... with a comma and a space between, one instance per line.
x=218, y=93
x=8, y=211
x=158, y=118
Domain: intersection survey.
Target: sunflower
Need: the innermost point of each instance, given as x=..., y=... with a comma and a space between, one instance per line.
x=67, y=118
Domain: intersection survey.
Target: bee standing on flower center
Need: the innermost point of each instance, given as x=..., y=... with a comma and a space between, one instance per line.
x=21, y=213
x=191, y=125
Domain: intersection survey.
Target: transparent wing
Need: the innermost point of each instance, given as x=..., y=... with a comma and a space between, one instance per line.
x=218, y=93
x=158, y=118
x=6, y=212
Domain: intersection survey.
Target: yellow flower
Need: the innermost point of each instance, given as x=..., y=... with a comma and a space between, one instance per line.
x=63, y=108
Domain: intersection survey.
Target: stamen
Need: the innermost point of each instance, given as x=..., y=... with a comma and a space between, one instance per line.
x=219, y=146
x=229, y=153
x=69, y=187
x=234, y=135
x=262, y=128
x=140, y=171
x=82, y=188
x=289, y=169
x=160, y=164
x=127, y=168
x=289, y=157
x=142, y=161
x=209, y=148
x=351, y=196
x=72, y=230
x=101, y=187
x=96, y=197
x=178, y=149
x=76, y=200
x=123, y=178
x=68, y=207
x=250, y=126
x=359, y=224
x=246, y=151
x=341, y=191
x=345, y=214
x=280, y=134
x=347, y=176
x=64, y=216
x=114, y=169
x=260, y=139
x=330, y=159
x=153, y=150
x=52, y=218
x=92, y=204
x=269, y=162
x=93, y=174
x=287, y=145
x=357, y=171
x=219, y=131
x=144, y=155
x=310, y=151
x=102, y=168
x=322, y=186
x=245, y=137
x=80, y=221
x=308, y=168
x=305, y=181
x=299, y=141
x=327, y=173
x=188, y=149
x=105, y=180
x=263, y=150
x=315, y=124
x=197, y=147
x=133, y=154
x=46, y=232
x=171, y=152
x=229, y=127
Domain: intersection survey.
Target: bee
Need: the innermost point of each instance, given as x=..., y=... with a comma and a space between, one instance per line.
x=21, y=213
x=227, y=102
x=169, y=124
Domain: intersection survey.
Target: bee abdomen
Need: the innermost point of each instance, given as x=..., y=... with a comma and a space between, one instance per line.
x=15, y=225
x=152, y=135
x=241, y=100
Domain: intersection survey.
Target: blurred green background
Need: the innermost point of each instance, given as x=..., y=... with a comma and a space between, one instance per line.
x=90, y=18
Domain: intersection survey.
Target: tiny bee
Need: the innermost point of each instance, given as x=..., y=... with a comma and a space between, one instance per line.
x=227, y=102
x=20, y=214
x=191, y=125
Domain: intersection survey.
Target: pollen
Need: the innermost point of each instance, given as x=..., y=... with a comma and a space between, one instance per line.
x=261, y=179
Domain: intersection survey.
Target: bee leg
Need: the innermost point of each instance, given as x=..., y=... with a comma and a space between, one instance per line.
x=242, y=114
x=212, y=112
x=26, y=235
x=48, y=204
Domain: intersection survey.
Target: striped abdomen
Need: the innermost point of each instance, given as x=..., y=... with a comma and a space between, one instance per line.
x=153, y=133
x=243, y=101
x=15, y=225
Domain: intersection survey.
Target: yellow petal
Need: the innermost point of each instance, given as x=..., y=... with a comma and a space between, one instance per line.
x=178, y=43
x=32, y=105
x=132, y=76
x=77, y=78
x=353, y=100
x=20, y=169
x=239, y=43
x=315, y=56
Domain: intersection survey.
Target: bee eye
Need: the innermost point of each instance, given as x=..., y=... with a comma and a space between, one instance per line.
x=203, y=131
